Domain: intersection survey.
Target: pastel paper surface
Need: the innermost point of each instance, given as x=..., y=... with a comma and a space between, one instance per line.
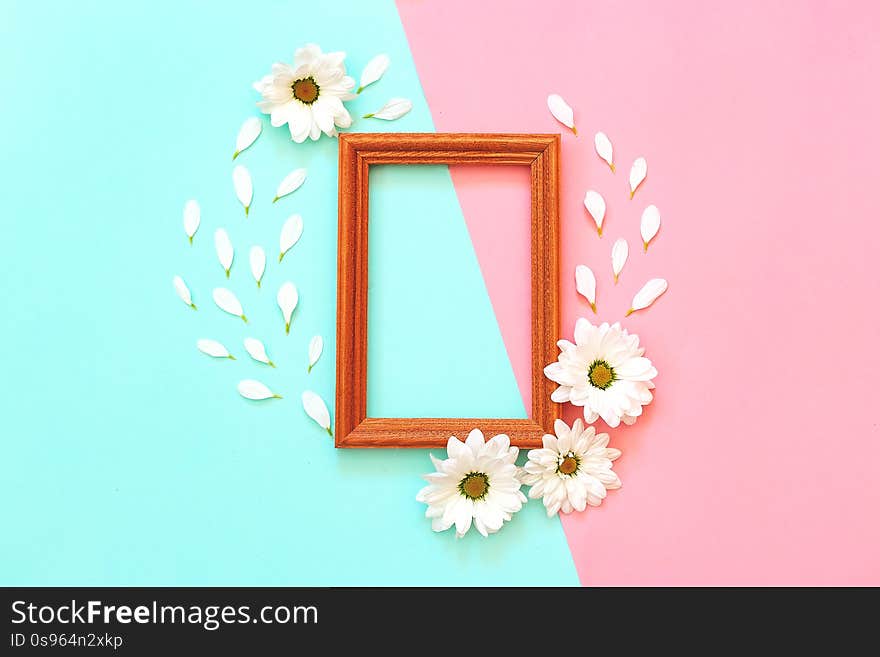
x=757, y=291
x=232, y=471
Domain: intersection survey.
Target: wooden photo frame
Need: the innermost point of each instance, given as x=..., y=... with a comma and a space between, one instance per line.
x=357, y=152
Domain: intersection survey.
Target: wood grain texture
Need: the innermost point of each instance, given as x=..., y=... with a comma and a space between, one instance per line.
x=357, y=152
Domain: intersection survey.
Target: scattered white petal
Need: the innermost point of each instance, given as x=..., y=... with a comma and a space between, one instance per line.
x=647, y=295
x=251, y=389
x=637, y=175
x=374, y=70
x=393, y=109
x=619, y=254
x=225, y=252
x=183, y=292
x=291, y=231
x=316, y=346
x=605, y=149
x=585, y=282
x=316, y=409
x=257, y=351
x=287, y=300
x=595, y=205
x=258, y=263
x=213, y=349
x=247, y=135
x=561, y=111
x=244, y=187
x=228, y=302
x=192, y=217
x=292, y=182
x=650, y=224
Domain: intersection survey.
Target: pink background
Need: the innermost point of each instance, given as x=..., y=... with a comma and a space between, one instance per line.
x=758, y=461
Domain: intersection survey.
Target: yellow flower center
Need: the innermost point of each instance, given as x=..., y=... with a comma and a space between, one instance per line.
x=569, y=465
x=601, y=374
x=474, y=485
x=306, y=90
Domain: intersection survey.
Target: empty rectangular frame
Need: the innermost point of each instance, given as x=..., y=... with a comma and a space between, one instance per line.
x=357, y=152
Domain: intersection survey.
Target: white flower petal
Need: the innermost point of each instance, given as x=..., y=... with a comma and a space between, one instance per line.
x=648, y=294
x=225, y=252
x=247, y=135
x=292, y=182
x=228, y=302
x=183, y=292
x=619, y=254
x=585, y=281
x=213, y=349
x=287, y=299
x=244, y=187
x=605, y=149
x=650, y=224
x=374, y=70
x=258, y=263
x=291, y=231
x=561, y=111
x=257, y=351
x=192, y=218
x=393, y=109
x=316, y=346
x=637, y=175
x=316, y=409
x=251, y=389
x=595, y=205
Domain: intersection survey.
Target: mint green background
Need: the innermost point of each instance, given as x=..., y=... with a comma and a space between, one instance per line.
x=127, y=457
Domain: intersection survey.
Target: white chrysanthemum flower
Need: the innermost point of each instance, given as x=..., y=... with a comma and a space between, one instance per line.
x=605, y=372
x=478, y=483
x=308, y=95
x=573, y=469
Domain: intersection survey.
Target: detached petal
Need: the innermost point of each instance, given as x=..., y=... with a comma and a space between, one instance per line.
x=619, y=254
x=291, y=231
x=374, y=70
x=393, y=109
x=595, y=205
x=585, y=281
x=637, y=174
x=192, y=218
x=247, y=135
x=650, y=224
x=225, y=252
x=316, y=409
x=251, y=389
x=244, y=187
x=648, y=294
x=316, y=346
x=258, y=263
x=292, y=182
x=605, y=149
x=561, y=111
